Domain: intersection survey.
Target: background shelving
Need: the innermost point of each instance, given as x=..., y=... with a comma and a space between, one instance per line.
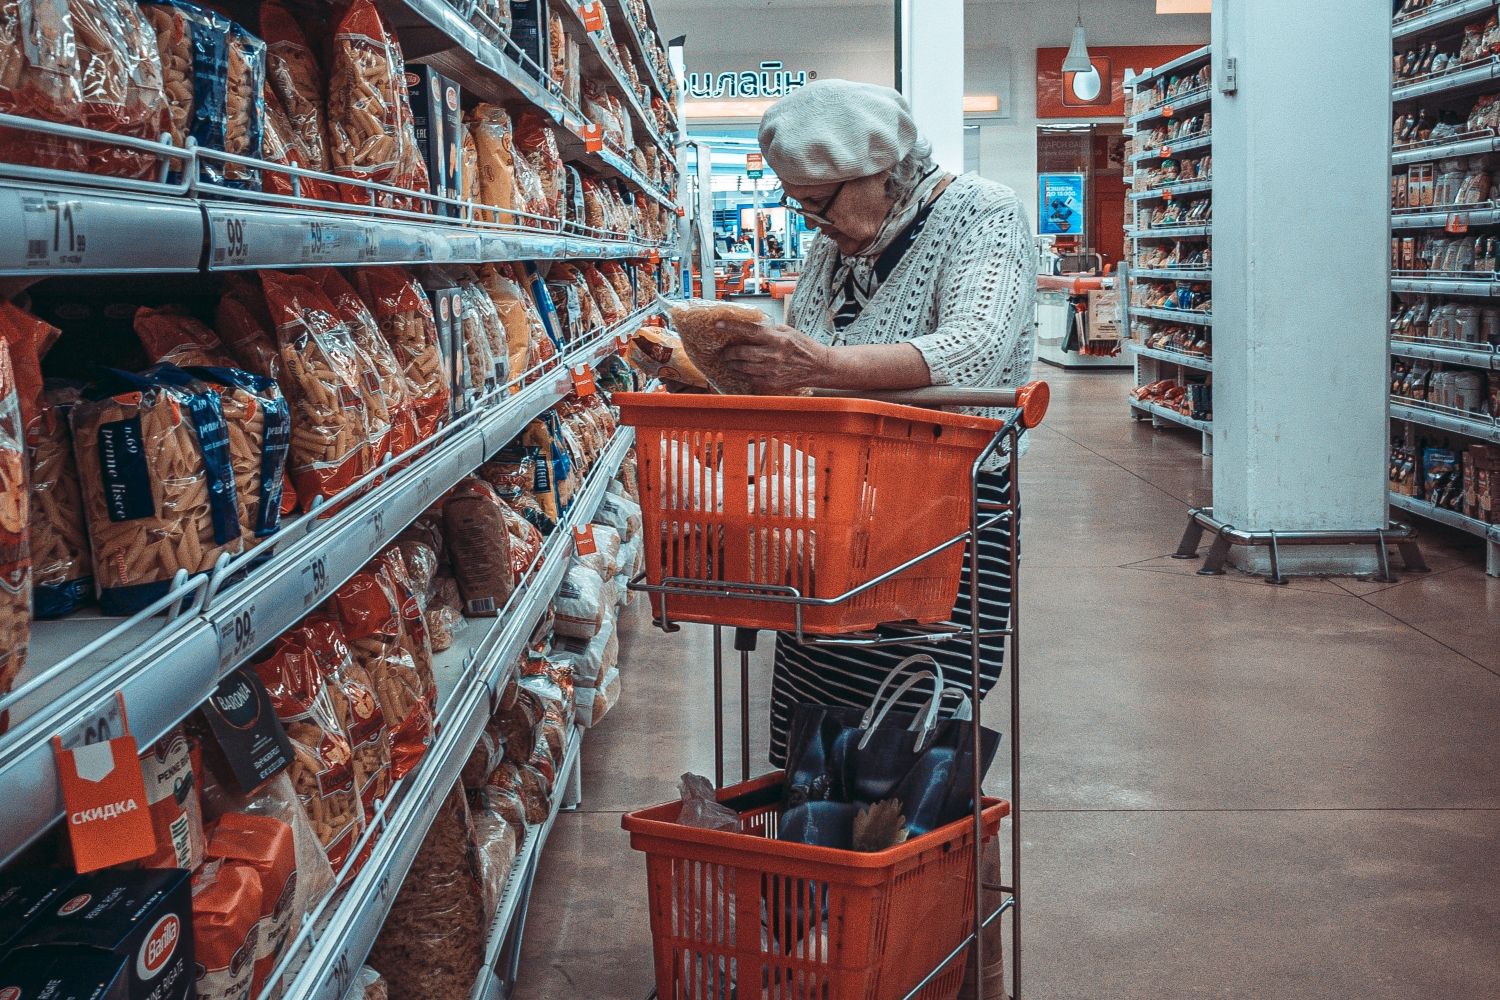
x=1169, y=273
x=1445, y=322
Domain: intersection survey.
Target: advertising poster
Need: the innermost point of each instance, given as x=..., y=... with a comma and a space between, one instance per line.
x=1061, y=209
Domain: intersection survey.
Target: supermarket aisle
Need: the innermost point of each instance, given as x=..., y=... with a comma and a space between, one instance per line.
x=1233, y=789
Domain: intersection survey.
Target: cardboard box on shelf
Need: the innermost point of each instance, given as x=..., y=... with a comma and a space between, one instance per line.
x=436, y=117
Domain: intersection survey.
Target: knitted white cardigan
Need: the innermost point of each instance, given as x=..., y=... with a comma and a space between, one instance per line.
x=963, y=294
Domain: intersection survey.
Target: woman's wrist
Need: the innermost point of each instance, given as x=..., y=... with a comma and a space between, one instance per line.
x=832, y=369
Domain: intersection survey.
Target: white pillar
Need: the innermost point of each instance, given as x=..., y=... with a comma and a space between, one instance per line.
x=1301, y=293
x=932, y=74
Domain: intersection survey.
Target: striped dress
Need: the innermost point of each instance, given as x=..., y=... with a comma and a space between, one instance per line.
x=957, y=284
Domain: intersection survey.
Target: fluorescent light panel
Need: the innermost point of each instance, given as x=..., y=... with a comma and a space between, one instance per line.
x=1184, y=6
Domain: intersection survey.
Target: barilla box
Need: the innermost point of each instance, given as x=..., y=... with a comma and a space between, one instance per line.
x=447, y=309
x=25, y=895
x=529, y=31
x=59, y=972
x=436, y=119
x=144, y=917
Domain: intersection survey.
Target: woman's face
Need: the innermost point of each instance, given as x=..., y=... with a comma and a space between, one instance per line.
x=856, y=209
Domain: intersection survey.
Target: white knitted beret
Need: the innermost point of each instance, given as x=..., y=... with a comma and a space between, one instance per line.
x=832, y=131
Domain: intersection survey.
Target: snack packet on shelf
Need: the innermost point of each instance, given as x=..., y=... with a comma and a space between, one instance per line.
x=295, y=77
x=62, y=565
x=267, y=846
x=365, y=123
x=226, y=909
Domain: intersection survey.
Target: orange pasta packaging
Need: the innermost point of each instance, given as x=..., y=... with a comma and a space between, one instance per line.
x=226, y=911
x=22, y=338
x=414, y=635
x=359, y=710
x=323, y=765
x=369, y=610
x=295, y=78
x=172, y=796
x=169, y=334
x=268, y=847
x=243, y=323
x=383, y=373
x=367, y=128
x=404, y=314
x=324, y=380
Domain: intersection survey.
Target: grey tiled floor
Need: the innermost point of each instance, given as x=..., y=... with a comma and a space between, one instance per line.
x=1231, y=789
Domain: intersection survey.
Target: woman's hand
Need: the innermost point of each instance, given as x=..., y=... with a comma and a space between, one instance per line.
x=777, y=359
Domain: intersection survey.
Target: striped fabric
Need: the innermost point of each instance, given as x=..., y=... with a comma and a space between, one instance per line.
x=826, y=675
x=865, y=277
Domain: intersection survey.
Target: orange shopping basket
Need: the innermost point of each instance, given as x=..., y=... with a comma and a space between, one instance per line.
x=743, y=916
x=757, y=508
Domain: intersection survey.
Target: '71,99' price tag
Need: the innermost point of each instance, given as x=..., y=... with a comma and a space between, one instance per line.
x=55, y=230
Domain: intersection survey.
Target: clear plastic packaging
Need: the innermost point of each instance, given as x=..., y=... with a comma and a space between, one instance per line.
x=579, y=605
x=496, y=843
x=696, y=321
x=405, y=317
x=352, y=688
x=62, y=565
x=701, y=808
x=536, y=143
x=507, y=296
x=364, y=90
x=492, y=133
x=294, y=76
x=384, y=382
x=478, y=547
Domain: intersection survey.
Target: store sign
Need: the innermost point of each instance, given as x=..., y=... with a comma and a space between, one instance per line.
x=1061, y=210
x=1100, y=93
x=772, y=79
x=755, y=166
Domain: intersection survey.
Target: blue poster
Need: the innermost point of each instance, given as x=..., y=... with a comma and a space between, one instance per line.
x=1061, y=211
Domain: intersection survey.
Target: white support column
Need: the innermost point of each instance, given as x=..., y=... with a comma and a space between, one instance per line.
x=1301, y=288
x=932, y=74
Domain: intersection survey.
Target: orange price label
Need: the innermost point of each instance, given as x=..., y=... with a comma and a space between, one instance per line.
x=1457, y=223
x=1166, y=196
x=1168, y=111
x=622, y=343
x=583, y=540
x=592, y=15
x=593, y=137
x=1166, y=151
x=681, y=211
x=583, y=381
x=108, y=815
x=654, y=256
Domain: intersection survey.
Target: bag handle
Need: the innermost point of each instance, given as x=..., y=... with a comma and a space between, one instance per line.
x=873, y=718
x=964, y=712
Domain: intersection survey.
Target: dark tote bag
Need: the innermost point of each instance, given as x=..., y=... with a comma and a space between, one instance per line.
x=840, y=759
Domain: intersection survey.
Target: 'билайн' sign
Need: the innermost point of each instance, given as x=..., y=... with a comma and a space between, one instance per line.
x=772, y=80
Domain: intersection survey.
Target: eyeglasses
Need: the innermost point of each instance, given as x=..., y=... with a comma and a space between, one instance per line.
x=816, y=218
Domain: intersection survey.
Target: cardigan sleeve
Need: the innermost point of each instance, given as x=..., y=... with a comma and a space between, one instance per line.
x=985, y=292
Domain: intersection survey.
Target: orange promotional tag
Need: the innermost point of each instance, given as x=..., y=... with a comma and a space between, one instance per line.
x=1457, y=223
x=681, y=211
x=105, y=798
x=1168, y=111
x=654, y=257
x=583, y=381
x=1166, y=196
x=592, y=15
x=593, y=137
x=1166, y=151
x=583, y=538
x=622, y=343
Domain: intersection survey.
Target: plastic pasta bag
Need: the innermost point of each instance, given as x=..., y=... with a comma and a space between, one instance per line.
x=478, y=301
x=478, y=547
x=243, y=322
x=384, y=379
x=324, y=380
x=121, y=75
x=507, y=296
x=696, y=320
x=433, y=941
x=536, y=143
x=495, y=846
x=414, y=637
x=62, y=565
x=294, y=76
x=492, y=134
x=406, y=321
x=158, y=487
x=364, y=120
x=370, y=615
x=353, y=694
x=244, y=103
x=469, y=151
x=40, y=77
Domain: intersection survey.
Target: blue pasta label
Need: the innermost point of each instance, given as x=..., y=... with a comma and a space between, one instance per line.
x=213, y=440
x=543, y=480
x=124, y=471
x=276, y=443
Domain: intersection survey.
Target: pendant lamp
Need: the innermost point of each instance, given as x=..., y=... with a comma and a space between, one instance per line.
x=1078, y=60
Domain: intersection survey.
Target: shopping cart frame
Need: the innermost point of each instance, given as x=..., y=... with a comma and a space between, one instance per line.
x=1029, y=405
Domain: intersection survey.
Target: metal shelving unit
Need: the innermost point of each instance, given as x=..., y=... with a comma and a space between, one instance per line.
x=1419, y=425
x=1153, y=364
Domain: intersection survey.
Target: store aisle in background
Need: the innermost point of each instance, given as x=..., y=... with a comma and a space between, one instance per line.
x=1232, y=789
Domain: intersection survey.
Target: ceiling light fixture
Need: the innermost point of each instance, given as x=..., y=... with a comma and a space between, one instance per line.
x=1078, y=60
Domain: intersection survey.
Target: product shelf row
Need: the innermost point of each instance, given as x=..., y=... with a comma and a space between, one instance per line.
x=1171, y=274
x=1177, y=105
x=598, y=58
x=1472, y=425
x=1171, y=232
x=1173, y=316
x=1440, y=16
x=1485, y=288
x=624, y=25
x=1177, y=148
x=1172, y=357
x=1473, y=144
x=1474, y=356
x=1172, y=191
x=1456, y=81
x=1172, y=416
x=331, y=948
x=1457, y=217
x=166, y=660
x=1453, y=519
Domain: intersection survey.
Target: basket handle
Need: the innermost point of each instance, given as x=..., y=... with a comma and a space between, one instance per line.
x=1031, y=399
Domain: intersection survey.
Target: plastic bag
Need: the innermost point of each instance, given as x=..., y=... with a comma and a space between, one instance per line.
x=364, y=90
x=369, y=612
x=432, y=944
x=659, y=354
x=614, y=273
x=226, y=910
x=496, y=842
x=322, y=769
x=280, y=144
x=588, y=659
x=469, y=174
x=243, y=322
x=353, y=692
x=244, y=103
x=40, y=77
x=157, y=485
x=121, y=76
x=169, y=334
x=406, y=321
x=172, y=798
x=594, y=703
x=478, y=547
x=330, y=431
x=701, y=808
x=507, y=296
x=621, y=513
x=367, y=985
x=492, y=134
x=536, y=143
x=414, y=637
x=268, y=846
x=478, y=301
x=62, y=565
x=604, y=560
x=294, y=76
x=580, y=604
x=384, y=378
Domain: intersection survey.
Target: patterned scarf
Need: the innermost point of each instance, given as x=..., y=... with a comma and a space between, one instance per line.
x=855, y=277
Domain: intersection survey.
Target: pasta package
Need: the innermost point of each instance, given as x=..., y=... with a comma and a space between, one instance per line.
x=281, y=144
x=244, y=103
x=697, y=321
x=267, y=846
x=536, y=142
x=508, y=298
x=605, y=295
x=388, y=378
x=478, y=547
x=364, y=93
x=614, y=272
x=243, y=322
x=171, y=335
x=62, y=565
x=259, y=422
x=40, y=77
x=226, y=908
x=294, y=76
x=172, y=798
x=359, y=710
x=175, y=47
x=330, y=445
x=404, y=314
x=469, y=175
x=323, y=768
x=369, y=613
x=414, y=636
x=158, y=489
x=492, y=134
x=121, y=74
x=478, y=300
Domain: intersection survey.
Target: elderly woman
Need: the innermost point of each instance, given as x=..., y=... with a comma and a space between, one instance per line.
x=916, y=278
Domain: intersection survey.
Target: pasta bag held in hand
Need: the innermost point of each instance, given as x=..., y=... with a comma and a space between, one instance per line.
x=697, y=321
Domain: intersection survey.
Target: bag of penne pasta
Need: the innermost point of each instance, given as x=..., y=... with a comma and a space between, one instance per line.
x=323, y=378
x=22, y=337
x=158, y=487
x=405, y=317
x=62, y=565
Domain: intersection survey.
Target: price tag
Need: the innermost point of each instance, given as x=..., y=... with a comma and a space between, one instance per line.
x=230, y=246
x=424, y=490
x=1168, y=111
x=681, y=211
x=593, y=137
x=104, y=797
x=236, y=638
x=1167, y=196
x=583, y=540
x=377, y=531
x=622, y=343
x=100, y=726
x=314, y=581
x=654, y=256
x=1457, y=223
x=55, y=230
x=1166, y=151
x=592, y=15
x=321, y=239
x=583, y=381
